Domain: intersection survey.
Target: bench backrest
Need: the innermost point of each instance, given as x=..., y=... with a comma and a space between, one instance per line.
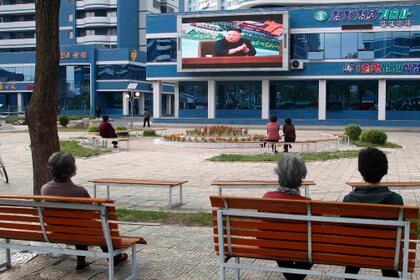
x=385, y=184
x=59, y=220
x=312, y=231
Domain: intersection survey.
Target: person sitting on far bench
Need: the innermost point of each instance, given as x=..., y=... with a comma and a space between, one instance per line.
x=273, y=129
x=373, y=165
x=289, y=133
x=106, y=130
x=291, y=170
x=62, y=166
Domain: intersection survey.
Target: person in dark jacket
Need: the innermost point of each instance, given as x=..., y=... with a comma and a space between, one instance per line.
x=106, y=130
x=373, y=165
x=289, y=133
x=234, y=45
x=146, y=119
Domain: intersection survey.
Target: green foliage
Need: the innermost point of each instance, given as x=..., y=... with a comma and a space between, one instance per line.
x=120, y=127
x=149, y=133
x=93, y=128
x=353, y=131
x=77, y=150
x=386, y=145
x=64, y=121
x=321, y=156
x=76, y=117
x=374, y=136
x=13, y=119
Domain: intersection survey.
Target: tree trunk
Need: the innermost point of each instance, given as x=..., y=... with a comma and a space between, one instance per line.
x=42, y=111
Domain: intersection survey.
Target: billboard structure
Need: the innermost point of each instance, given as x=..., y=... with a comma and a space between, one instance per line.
x=233, y=42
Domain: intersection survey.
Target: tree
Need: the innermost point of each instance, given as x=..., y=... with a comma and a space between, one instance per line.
x=42, y=111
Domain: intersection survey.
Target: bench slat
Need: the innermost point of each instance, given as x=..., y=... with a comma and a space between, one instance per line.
x=133, y=181
x=385, y=184
x=80, y=223
x=306, y=182
x=57, y=199
x=74, y=214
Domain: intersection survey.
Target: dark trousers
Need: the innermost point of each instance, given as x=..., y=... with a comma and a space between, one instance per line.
x=286, y=148
x=146, y=120
x=297, y=265
x=385, y=272
x=85, y=248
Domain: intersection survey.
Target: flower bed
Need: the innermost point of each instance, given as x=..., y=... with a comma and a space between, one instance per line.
x=215, y=134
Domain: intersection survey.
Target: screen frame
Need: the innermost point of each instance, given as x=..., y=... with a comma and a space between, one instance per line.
x=285, y=41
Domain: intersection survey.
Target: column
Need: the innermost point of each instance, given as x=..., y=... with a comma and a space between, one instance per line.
x=19, y=102
x=322, y=100
x=382, y=100
x=141, y=103
x=265, y=99
x=168, y=104
x=176, y=100
x=211, y=108
x=157, y=99
x=125, y=104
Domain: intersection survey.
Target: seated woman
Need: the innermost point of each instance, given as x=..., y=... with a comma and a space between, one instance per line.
x=273, y=129
x=291, y=170
x=62, y=166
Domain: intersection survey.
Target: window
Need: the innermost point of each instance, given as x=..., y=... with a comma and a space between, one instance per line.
x=332, y=45
x=156, y=4
x=70, y=17
x=71, y=35
x=111, y=32
x=69, y=1
x=349, y=45
x=90, y=32
x=161, y=50
x=315, y=46
x=193, y=99
x=403, y=100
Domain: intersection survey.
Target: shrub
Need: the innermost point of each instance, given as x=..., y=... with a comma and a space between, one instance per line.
x=93, y=128
x=64, y=121
x=120, y=127
x=374, y=136
x=13, y=119
x=353, y=131
x=149, y=133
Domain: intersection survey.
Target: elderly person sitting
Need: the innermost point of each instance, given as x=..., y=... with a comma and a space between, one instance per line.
x=62, y=166
x=291, y=169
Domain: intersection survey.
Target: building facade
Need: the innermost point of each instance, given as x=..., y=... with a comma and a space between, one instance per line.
x=355, y=61
x=102, y=49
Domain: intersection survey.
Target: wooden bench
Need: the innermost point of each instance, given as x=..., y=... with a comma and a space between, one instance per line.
x=222, y=184
x=170, y=184
x=97, y=140
x=72, y=221
x=303, y=143
x=329, y=233
x=393, y=185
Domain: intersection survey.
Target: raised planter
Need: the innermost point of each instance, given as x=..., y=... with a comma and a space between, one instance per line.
x=206, y=145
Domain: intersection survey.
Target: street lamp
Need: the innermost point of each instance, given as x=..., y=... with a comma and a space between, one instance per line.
x=131, y=96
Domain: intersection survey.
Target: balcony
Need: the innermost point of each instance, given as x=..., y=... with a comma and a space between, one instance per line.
x=17, y=43
x=97, y=39
x=17, y=9
x=17, y=26
x=93, y=4
x=96, y=21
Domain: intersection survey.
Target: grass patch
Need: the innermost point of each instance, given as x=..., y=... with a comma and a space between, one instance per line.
x=170, y=218
x=149, y=133
x=367, y=144
x=70, y=129
x=79, y=151
x=321, y=156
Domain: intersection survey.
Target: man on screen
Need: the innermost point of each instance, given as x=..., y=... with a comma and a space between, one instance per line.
x=234, y=45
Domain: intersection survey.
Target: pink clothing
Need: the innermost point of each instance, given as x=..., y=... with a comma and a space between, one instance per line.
x=273, y=131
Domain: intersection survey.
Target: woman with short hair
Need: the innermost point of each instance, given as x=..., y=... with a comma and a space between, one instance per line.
x=291, y=170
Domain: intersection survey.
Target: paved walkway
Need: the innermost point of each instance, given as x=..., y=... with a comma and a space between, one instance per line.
x=183, y=252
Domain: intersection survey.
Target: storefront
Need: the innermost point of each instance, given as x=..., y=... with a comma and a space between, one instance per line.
x=348, y=63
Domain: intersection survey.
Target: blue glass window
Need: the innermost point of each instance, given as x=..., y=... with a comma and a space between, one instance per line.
x=403, y=100
x=193, y=100
x=366, y=41
x=300, y=46
x=383, y=45
x=332, y=45
x=161, y=50
x=349, y=45
x=75, y=90
x=352, y=99
x=119, y=72
x=316, y=46
x=17, y=74
x=401, y=46
x=294, y=99
x=238, y=99
x=415, y=44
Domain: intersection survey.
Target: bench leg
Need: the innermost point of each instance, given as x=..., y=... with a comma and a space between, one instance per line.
x=107, y=191
x=94, y=190
x=180, y=194
x=306, y=191
x=170, y=197
x=220, y=190
x=111, y=267
x=8, y=256
x=237, y=271
x=133, y=261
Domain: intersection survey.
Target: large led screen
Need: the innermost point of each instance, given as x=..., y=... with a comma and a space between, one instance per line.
x=233, y=42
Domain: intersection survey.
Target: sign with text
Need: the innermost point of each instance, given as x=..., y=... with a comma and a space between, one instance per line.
x=382, y=68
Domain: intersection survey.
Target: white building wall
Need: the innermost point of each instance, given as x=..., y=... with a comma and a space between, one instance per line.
x=322, y=100
x=157, y=99
x=382, y=100
x=211, y=108
x=265, y=100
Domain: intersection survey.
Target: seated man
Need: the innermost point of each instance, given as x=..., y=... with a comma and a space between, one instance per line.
x=234, y=45
x=106, y=130
x=291, y=170
x=373, y=165
x=62, y=166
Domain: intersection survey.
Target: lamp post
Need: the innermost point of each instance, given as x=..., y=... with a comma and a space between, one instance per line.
x=131, y=96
